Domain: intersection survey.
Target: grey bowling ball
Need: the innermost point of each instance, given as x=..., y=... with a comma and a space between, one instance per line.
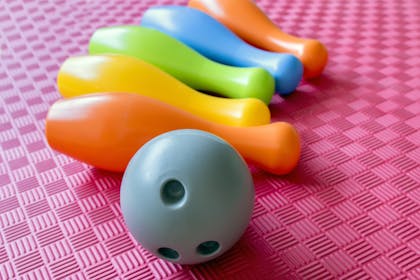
x=187, y=196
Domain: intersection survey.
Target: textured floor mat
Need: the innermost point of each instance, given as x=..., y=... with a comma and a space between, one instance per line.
x=350, y=210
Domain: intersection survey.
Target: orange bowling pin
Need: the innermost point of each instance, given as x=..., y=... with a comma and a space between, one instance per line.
x=106, y=130
x=251, y=24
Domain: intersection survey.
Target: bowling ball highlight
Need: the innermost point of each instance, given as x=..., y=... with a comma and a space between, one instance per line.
x=187, y=196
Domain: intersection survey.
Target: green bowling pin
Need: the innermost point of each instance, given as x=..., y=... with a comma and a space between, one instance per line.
x=184, y=63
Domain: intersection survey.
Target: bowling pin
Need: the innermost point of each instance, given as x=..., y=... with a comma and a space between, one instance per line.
x=250, y=23
x=106, y=130
x=183, y=63
x=212, y=39
x=120, y=73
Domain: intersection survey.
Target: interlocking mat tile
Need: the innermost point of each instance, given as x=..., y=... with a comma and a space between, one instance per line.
x=350, y=210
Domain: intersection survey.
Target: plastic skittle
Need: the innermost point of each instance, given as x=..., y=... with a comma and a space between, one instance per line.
x=212, y=39
x=183, y=63
x=106, y=130
x=251, y=24
x=120, y=73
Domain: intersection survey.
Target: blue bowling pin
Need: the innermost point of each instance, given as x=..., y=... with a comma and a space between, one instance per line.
x=215, y=41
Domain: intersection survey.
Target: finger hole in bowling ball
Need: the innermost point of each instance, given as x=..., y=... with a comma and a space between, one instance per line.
x=168, y=253
x=208, y=248
x=172, y=192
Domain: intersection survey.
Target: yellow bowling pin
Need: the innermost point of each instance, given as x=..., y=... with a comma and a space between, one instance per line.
x=119, y=73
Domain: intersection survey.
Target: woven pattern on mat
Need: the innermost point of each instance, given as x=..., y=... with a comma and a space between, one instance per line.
x=350, y=210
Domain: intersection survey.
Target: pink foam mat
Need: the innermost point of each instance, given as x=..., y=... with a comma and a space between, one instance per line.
x=350, y=210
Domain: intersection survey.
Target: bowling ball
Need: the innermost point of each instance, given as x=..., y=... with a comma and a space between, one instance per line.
x=187, y=196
